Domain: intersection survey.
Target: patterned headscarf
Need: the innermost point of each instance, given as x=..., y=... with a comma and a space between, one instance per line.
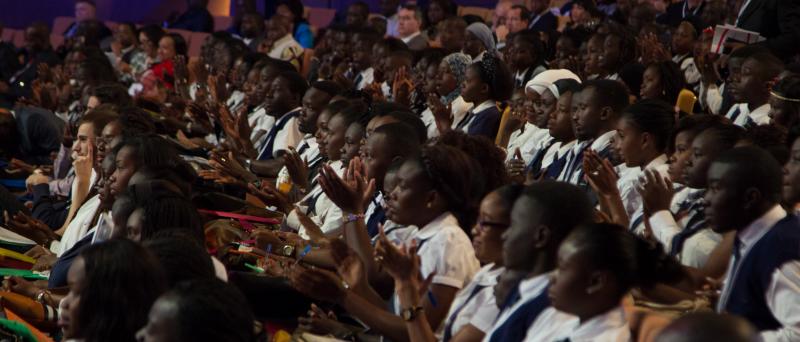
x=458, y=63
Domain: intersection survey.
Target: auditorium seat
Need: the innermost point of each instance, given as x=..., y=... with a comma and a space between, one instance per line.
x=222, y=23
x=60, y=24
x=320, y=17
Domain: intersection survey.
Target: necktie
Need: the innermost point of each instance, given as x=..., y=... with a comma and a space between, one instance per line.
x=735, y=114
x=448, y=329
x=555, y=168
x=465, y=121
x=516, y=326
x=358, y=80
x=535, y=165
x=378, y=216
x=737, y=258
x=269, y=144
x=695, y=224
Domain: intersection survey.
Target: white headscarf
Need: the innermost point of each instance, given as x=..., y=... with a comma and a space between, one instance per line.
x=546, y=80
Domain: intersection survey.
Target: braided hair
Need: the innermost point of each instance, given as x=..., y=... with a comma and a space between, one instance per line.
x=495, y=73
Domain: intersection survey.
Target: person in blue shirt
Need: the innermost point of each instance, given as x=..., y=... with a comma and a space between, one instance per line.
x=293, y=9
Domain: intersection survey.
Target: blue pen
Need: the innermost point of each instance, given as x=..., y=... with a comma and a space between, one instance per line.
x=303, y=254
x=432, y=298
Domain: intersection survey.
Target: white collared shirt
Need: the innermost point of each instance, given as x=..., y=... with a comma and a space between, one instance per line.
x=711, y=97
x=260, y=123
x=289, y=136
x=557, y=151
x=519, y=139
x=326, y=215
x=688, y=67
x=568, y=172
x=80, y=225
x=601, y=143
x=410, y=37
x=458, y=108
x=760, y=116
x=633, y=201
x=782, y=294
x=528, y=289
x=552, y=325
x=367, y=77
x=697, y=248
x=445, y=248
x=481, y=310
x=309, y=155
x=538, y=141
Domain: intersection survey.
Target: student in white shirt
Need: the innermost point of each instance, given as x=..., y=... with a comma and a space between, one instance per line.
x=433, y=193
x=598, y=264
x=283, y=46
x=762, y=278
x=751, y=89
x=541, y=219
x=560, y=127
x=283, y=101
x=451, y=75
x=642, y=138
x=597, y=108
x=361, y=65
x=684, y=232
x=791, y=178
x=474, y=308
x=540, y=108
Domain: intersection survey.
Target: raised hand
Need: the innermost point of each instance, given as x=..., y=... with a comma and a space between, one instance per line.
x=656, y=192
x=600, y=174
x=297, y=167
x=516, y=168
x=83, y=164
x=315, y=234
x=443, y=114
x=401, y=262
x=402, y=87
x=353, y=193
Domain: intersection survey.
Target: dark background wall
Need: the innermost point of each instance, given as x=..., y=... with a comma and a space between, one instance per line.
x=19, y=13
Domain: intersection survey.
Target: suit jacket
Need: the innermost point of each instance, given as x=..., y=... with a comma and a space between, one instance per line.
x=776, y=20
x=547, y=22
x=418, y=43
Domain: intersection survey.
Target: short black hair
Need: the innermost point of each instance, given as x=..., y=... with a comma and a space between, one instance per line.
x=672, y=79
x=654, y=117
x=609, y=93
x=401, y=138
x=564, y=207
x=112, y=93
x=328, y=87
x=769, y=65
x=693, y=125
x=524, y=12
x=297, y=83
x=533, y=39
x=136, y=121
x=211, y=310
x=412, y=121
x=753, y=167
x=182, y=259
x=181, y=48
x=152, y=32
x=496, y=74
x=708, y=326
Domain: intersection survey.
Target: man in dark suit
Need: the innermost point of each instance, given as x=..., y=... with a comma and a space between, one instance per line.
x=681, y=10
x=86, y=10
x=409, y=19
x=542, y=19
x=9, y=63
x=776, y=20
x=37, y=50
x=197, y=18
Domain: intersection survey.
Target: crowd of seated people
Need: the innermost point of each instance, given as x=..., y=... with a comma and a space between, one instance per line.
x=570, y=171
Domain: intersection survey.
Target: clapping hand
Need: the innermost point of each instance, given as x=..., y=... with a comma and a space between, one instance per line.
x=353, y=193
x=516, y=168
x=443, y=114
x=600, y=174
x=656, y=192
x=402, y=87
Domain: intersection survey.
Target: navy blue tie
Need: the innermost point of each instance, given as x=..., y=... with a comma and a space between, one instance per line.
x=267, y=152
x=448, y=328
x=516, y=326
x=696, y=223
x=736, y=113
x=535, y=165
x=378, y=217
x=554, y=169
